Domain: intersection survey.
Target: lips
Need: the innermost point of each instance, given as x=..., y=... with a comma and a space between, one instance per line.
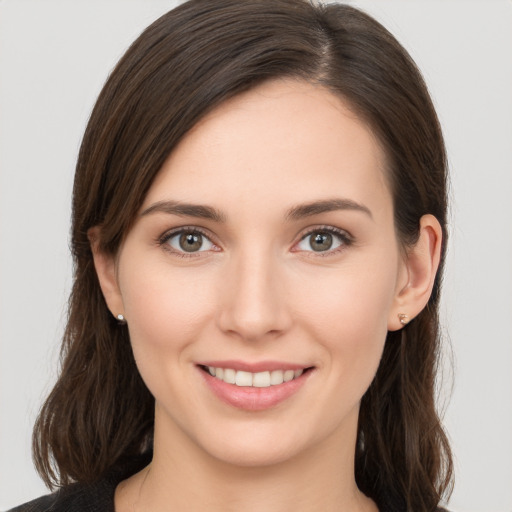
x=266, y=386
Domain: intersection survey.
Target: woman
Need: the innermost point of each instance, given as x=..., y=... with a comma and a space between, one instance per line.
x=259, y=224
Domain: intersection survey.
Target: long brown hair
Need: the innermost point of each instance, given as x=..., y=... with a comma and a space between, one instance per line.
x=99, y=415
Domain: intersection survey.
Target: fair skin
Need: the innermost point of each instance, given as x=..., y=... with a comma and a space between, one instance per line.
x=264, y=284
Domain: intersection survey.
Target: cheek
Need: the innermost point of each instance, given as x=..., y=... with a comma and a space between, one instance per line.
x=347, y=312
x=166, y=311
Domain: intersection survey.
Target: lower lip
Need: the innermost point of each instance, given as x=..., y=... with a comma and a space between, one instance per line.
x=251, y=398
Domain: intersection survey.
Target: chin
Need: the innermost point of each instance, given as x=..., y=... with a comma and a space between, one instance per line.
x=262, y=443
x=253, y=455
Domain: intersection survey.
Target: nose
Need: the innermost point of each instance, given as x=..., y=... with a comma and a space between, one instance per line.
x=253, y=303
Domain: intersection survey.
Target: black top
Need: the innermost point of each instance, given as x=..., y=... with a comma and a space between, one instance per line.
x=81, y=497
x=98, y=497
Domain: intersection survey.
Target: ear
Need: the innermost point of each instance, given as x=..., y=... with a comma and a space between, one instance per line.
x=421, y=263
x=105, y=265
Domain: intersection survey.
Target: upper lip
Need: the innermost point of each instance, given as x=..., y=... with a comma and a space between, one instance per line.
x=254, y=367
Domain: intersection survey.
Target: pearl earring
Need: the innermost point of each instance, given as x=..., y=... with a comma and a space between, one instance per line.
x=121, y=319
x=404, y=319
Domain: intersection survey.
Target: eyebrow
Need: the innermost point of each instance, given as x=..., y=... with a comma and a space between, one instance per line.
x=295, y=213
x=186, y=209
x=328, y=205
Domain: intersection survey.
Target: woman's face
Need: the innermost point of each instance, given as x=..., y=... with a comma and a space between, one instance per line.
x=265, y=248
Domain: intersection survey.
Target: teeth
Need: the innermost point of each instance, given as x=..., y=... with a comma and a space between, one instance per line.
x=276, y=377
x=229, y=376
x=261, y=380
x=288, y=375
x=242, y=378
x=257, y=380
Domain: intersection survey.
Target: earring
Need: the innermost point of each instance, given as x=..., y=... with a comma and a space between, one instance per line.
x=121, y=319
x=404, y=319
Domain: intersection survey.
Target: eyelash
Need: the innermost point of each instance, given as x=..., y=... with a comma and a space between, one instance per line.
x=345, y=238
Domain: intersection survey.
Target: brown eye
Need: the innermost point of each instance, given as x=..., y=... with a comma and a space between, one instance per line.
x=320, y=241
x=324, y=240
x=189, y=241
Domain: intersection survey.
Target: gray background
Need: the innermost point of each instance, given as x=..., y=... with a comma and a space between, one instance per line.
x=54, y=58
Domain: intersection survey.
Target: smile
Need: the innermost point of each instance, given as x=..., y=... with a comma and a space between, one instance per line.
x=269, y=383
x=263, y=379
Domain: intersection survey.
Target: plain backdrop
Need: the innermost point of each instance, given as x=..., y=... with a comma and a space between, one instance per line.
x=54, y=58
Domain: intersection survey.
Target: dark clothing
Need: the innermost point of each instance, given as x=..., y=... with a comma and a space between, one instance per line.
x=98, y=497
x=79, y=497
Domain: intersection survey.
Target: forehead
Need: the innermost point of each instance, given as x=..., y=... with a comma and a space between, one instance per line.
x=283, y=142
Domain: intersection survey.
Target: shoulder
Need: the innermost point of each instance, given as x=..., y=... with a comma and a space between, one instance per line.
x=38, y=505
x=98, y=497
x=83, y=497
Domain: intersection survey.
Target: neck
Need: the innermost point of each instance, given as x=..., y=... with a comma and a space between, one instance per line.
x=183, y=477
